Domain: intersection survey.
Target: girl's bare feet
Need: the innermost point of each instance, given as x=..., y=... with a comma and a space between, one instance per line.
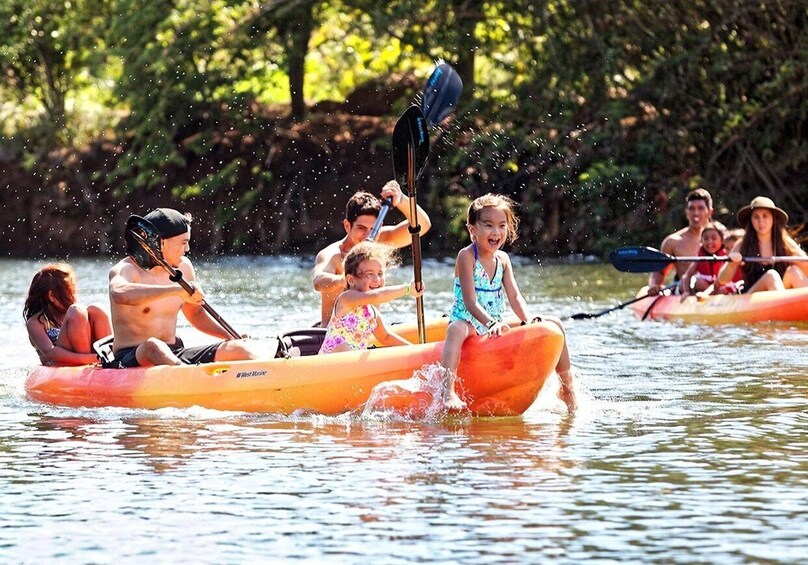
x=451, y=401
x=454, y=403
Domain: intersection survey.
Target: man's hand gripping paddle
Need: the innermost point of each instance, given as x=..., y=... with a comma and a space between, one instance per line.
x=143, y=244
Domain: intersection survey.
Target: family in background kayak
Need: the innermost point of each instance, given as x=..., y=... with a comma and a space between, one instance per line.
x=762, y=234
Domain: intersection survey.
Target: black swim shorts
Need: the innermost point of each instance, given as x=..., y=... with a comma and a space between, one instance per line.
x=188, y=355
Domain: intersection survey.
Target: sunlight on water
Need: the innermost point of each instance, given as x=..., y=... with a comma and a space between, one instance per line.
x=688, y=445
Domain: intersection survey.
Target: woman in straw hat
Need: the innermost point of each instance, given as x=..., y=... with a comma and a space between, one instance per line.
x=765, y=236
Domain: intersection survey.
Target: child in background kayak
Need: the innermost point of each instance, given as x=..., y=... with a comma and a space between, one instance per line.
x=483, y=278
x=355, y=318
x=61, y=331
x=765, y=236
x=700, y=278
x=731, y=238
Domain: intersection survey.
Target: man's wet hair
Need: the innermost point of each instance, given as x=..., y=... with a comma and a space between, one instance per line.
x=362, y=204
x=700, y=194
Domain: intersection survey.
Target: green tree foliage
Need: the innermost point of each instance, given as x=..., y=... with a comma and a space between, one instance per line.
x=48, y=51
x=290, y=22
x=598, y=116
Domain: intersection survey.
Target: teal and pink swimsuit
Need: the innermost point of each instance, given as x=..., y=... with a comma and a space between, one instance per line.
x=489, y=294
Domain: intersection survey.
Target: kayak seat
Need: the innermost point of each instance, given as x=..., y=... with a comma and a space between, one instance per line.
x=307, y=340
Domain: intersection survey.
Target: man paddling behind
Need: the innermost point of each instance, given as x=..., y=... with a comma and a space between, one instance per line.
x=361, y=213
x=687, y=241
x=145, y=304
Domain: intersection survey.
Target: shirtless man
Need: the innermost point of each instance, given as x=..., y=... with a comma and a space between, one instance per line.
x=145, y=304
x=360, y=215
x=687, y=241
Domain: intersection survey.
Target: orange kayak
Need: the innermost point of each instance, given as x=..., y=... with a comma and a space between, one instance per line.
x=774, y=305
x=496, y=377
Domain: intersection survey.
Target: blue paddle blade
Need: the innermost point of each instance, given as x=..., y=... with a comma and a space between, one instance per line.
x=441, y=92
x=639, y=259
x=410, y=130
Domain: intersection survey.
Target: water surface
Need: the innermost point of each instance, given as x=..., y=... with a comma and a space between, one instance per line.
x=690, y=446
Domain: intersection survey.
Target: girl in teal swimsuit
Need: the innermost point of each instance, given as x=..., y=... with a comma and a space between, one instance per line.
x=355, y=320
x=483, y=280
x=61, y=331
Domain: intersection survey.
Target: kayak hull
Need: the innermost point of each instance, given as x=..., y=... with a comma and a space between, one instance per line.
x=496, y=377
x=776, y=305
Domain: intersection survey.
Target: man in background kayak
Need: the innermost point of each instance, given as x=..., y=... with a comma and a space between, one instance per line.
x=361, y=213
x=687, y=241
x=145, y=304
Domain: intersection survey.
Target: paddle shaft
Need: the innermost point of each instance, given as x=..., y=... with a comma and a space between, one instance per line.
x=176, y=275
x=726, y=259
x=588, y=316
x=415, y=231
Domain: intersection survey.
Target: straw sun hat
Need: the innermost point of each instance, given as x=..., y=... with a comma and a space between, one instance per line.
x=761, y=202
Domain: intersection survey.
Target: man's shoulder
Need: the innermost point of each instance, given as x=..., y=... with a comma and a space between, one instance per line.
x=328, y=260
x=125, y=264
x=672, y=241
x=676, y=236
x=328, y=252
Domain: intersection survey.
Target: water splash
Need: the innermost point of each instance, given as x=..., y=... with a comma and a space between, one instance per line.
x=419, y=398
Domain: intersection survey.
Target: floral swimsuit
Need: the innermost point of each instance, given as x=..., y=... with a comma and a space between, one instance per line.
x=489, y=295
x=354, y=328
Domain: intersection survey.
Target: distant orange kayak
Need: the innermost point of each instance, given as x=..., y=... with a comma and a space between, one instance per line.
x=496, y=377
x=774, y=305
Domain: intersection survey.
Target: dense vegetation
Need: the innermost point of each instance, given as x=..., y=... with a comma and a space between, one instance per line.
x=263, y=116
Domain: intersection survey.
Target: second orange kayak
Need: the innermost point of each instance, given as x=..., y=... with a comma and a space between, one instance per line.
x=776, y=305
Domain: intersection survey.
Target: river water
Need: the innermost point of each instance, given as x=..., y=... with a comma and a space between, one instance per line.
x=690, y=445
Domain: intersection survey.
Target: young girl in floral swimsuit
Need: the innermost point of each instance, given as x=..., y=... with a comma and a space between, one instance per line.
x=355, y=318
x=483, y=279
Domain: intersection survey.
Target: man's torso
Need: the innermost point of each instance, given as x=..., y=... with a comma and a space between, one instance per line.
x=684, y=243
x=134, y=324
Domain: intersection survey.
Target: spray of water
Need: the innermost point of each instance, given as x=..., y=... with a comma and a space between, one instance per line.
x=419, y=398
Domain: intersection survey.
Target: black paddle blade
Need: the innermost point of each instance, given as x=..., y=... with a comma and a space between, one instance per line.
x=410, y=130
x=639, y=259
x=141, y=238
x=440, y=94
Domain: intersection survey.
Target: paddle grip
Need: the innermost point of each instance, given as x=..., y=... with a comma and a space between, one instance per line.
x=374, y=231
